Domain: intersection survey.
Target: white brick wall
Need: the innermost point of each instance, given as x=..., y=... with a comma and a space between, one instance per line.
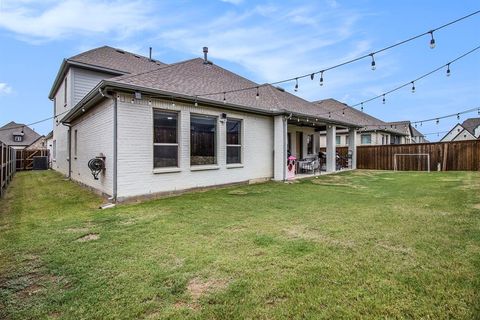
x=135, y=149
x=94, y=137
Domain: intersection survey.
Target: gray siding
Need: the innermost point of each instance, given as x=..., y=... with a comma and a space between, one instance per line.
x=84, y=81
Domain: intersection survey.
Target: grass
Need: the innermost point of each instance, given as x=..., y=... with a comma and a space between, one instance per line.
x=354, y=245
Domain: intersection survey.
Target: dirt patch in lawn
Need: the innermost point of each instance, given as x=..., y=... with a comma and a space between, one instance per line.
x=476, y=206
x=326, y=183
x=395, y=248
x=89, y=237
x=198, y=287
x=301, y=232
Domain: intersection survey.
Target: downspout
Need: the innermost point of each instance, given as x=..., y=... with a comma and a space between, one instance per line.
x=69, y=135
x=115, y=143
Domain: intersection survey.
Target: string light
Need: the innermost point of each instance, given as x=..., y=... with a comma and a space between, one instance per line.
x=173, y=103
x=448, y=69
x=361, y=108
x=432, y=41
x=224, y=98
x=321, y=78
x=312, y=76
x=373, y=62
x=413, y=86
x=383, y=100
x=258, y=94
x=343, y=112
x=438, y=121
x=458, y=116
x=296, y=84
x=329, y=115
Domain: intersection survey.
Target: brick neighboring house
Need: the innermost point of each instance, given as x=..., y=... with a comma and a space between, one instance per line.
x=19, y=136
x=468, y=130
x=373, y=131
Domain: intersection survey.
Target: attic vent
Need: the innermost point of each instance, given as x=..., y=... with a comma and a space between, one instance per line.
x=120, y=51
x=280, y=89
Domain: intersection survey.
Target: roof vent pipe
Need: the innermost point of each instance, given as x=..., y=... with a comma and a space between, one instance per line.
x=205, y=53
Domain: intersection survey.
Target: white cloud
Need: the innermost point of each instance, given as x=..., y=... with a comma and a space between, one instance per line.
x=43, y=21
x=236, y=2
x=5, y=89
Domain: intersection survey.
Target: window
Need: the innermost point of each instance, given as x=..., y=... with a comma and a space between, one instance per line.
x=366, y=138
x=54, y=149
x=165, y=139
x=203, y=132
x=18, y=138
x=75, y=134
x=383, y=139
x=65, y=93
x=310, y=144
x=338, y=140
x=234, y=141
x=346, y=139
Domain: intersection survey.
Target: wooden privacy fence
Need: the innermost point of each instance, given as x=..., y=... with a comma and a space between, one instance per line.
x=25, y=158
x=445, y=156
x=7, y=166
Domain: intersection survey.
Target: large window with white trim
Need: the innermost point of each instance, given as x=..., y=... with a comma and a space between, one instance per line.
x=203, y=140
x=366, y=138
x=234, y=141
x=165, y=139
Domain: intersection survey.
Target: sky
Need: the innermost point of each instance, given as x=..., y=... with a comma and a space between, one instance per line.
x=265, y=41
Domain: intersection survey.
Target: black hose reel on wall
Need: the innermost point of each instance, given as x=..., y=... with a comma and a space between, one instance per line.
x=97, y=165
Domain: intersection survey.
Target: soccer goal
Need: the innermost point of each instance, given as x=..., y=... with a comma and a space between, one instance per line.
x=399, y=160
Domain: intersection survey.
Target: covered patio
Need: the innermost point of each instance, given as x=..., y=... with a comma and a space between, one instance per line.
x=297, y=147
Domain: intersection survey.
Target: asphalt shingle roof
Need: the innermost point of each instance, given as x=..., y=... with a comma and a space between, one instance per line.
x=116, y=59
x=194, y=78
x=341, y=110
x=470, y=125
x=7, y=131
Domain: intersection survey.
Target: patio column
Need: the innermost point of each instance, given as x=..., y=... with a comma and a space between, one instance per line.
x=352, y=148
x=279, y=148
x=331, y=149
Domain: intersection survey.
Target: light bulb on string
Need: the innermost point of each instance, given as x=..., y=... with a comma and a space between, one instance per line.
x=413, y=86
x=383, y=100
x=321, y=78
x=343, y=112
x=224, y=97
x=361, y=106
x=478, y=111
x=196, y=102
x=329, y=115
x=296, y=84
x=312, y=76
x=458, y=116
x=448, y=70
x=432, y=40
x=438, y=121
x=258, y=94
x=373, y=64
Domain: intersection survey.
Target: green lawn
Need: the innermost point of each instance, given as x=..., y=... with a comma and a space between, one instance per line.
x=354, y=245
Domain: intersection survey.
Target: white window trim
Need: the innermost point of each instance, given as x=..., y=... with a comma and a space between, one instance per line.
x=200, y=167
x=176, y=168
x=237, y=164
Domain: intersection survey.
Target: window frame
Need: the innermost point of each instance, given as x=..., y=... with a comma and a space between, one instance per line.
x=338, y=140
x=17, y=138
x=216, y=144
x=160, y=144
x=366, y=135
x=241, y=137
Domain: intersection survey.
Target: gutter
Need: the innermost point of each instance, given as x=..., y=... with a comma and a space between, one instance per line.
x=106, y=85
x=115, y=142
x=69, y=140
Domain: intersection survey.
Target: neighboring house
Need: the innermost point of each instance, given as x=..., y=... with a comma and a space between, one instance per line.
x=49, y=144
x=372, y=131
x=468, y=130
x=412, y=134
x=158, y=133
x=19, y=136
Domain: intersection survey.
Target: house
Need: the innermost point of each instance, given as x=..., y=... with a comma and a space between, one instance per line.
x=412, y=134
x=19, y=136
x=468, y=130
x=163, y=128
x=49, y=144
x=372, y=131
